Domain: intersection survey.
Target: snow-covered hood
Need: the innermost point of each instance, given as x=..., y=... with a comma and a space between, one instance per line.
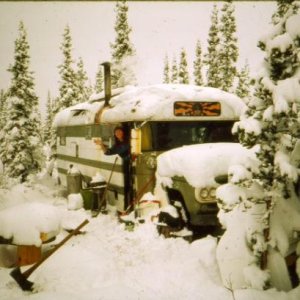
x=201, y=164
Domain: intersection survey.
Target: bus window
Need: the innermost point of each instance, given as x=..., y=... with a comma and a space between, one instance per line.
x=220, y=133
x=146, y=138
x=169, y=135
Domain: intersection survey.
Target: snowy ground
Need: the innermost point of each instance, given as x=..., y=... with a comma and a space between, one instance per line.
x=109, y=262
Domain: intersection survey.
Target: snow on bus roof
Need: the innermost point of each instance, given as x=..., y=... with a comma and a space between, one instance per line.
x=82, y=113
x=154, y=102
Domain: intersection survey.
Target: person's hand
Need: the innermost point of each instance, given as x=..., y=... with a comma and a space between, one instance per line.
x=98, y=141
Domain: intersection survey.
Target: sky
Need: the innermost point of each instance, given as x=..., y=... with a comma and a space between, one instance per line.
x=158, y=28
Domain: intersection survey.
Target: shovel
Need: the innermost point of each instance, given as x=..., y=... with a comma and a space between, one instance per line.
x=21, y=278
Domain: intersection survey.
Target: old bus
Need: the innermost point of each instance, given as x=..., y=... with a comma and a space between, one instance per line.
x=156, y=118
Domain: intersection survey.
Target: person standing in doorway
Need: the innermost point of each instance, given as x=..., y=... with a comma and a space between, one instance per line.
x=120, y=147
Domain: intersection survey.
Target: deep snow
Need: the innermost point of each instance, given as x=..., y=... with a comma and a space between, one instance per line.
x=108, y=262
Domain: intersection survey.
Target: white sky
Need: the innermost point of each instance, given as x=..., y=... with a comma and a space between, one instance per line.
x=158, y=28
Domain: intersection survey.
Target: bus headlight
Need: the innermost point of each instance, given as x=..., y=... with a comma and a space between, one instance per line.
x=205, y=194
x=212, y=193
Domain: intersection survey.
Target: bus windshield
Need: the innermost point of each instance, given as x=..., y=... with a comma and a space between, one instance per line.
x=164, y=136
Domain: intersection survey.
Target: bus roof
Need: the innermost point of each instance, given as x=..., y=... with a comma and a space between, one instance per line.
x=167, y=102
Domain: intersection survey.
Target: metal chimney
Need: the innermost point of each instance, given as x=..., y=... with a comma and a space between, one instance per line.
x=107, y=82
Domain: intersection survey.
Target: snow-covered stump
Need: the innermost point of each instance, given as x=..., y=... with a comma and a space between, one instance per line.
x=27, y=226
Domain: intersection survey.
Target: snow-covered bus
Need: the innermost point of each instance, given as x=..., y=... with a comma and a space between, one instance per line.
x=156, y=118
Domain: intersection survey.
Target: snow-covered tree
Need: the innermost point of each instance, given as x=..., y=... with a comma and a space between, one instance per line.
x=228, y=53
x=99, y=85
x=123, y=52
x=3, y=111
x=48, y=119
x=198, y=65
x=211, y=58
x=84, y=89
x=266, y=192
x=282, y=7
x=3, y=117
x=244, y=82
x=166, y=77
x=174, y=71
x=183, y=73
x=67, y=85
x=21, y=136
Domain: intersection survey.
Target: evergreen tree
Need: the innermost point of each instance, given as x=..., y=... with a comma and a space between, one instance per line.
x=84, y=90
x=48, y=120
x=211, y=58
x=3, y=117
x=244, y=83
x=271, y=126
x=282, y=8
x=198, y=79
x=174, y=71
x=122, y=49
x=52, y=140
x=228, y=51
x=21, y=150
x=68, y=83
x=99, y=85
x=183, y=74
x=166, y=70
x=3, y=110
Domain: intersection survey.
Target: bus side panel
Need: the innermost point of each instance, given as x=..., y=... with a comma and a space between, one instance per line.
x=87, y=157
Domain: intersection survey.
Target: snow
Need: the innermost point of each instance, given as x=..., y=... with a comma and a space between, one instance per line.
x=293, y=26
x=82, y=113
x=33, y=219
x=201, y=164
x=108, y=262
x=153, y=102
x=281, y=42
x=250, y=125
x=98, y=178
x=75, y=201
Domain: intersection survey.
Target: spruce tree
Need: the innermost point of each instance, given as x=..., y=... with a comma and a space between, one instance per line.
x=174, y=71
x=84, y=90
x=122, y=49
x=48, y=120
x=228, y=47
x=271, y=126
x=3, y=110
x=21, y=149
x=3, y=117
x=244, y=82
x=166, y=78
x=282, y=8
x=183, y=73
x=68, y=83
x=211, y=58
x=99, y=85
x=198, y=78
